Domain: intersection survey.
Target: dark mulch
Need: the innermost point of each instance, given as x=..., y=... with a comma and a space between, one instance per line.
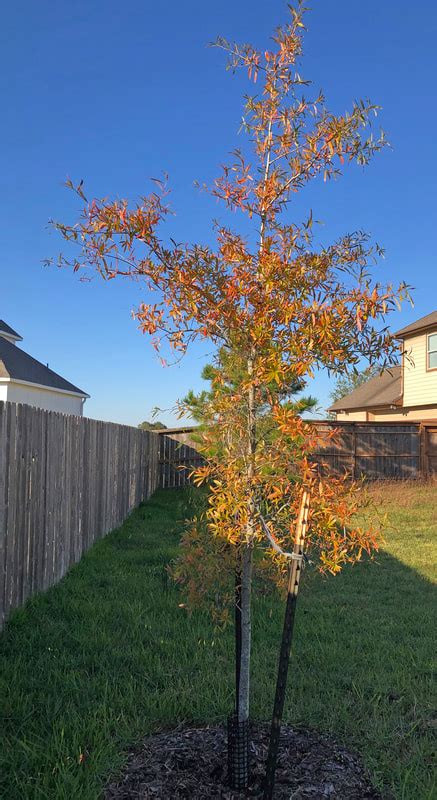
x=191, y=763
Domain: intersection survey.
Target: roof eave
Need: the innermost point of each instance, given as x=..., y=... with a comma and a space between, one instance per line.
x=429, y=322
x=11, y=336
x=398, y=403
x=78, y=393
x=5, y=328
x=423, y=329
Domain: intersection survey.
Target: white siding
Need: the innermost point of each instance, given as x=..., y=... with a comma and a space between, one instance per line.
x=49, y=399
x=420, y=386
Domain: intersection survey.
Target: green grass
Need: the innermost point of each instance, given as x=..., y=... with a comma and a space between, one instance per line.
x=108, y=656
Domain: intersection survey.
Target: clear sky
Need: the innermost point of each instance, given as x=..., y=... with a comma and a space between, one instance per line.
x=117, y=92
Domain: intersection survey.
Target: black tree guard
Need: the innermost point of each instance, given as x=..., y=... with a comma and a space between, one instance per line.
x=238, y=752
x=237, y=633
x=284, y=656
x=238, y=732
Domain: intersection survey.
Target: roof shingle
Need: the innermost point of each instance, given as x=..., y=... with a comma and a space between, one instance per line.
x=382, y=390
x=5, y=328
x=424, y=322
x=20, y=366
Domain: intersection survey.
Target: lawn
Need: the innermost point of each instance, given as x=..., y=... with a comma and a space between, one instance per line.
x=108, y=656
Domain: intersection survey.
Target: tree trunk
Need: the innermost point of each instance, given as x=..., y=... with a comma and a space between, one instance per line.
x=247, y=555
x=246, y=624
x=238, y=723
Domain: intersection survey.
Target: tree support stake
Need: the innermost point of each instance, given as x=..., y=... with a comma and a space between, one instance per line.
x=294, y=571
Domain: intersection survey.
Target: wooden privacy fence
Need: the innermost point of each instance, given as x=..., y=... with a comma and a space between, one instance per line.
x=177, y=456
x=375, y=450
x=65, y=481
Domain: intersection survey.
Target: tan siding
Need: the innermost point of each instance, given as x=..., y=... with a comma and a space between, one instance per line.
x=405, y=415
x=420, y=386
x=351, y=416
x=416, y=414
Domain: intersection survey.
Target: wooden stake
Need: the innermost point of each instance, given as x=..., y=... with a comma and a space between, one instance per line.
x=294, y=573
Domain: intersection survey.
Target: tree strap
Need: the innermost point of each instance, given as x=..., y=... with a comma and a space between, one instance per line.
x=294, y=556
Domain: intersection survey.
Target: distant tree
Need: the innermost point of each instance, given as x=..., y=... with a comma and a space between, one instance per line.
x=347, y=383
x=152, y=426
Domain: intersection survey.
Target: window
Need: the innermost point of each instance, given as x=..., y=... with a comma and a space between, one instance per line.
x=432, y=351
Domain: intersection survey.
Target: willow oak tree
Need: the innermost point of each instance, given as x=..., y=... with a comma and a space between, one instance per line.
x=282, y=305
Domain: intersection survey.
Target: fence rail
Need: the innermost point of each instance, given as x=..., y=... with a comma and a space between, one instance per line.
x=65, y=482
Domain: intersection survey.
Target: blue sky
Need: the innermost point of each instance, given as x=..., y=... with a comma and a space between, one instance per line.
x=117, y=92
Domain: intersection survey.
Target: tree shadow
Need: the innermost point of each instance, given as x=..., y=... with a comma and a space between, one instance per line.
x=362, y=666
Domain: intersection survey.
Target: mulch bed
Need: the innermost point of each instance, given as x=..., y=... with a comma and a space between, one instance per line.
x=191, y=763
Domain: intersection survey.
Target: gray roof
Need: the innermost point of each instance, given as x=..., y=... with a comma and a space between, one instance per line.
x=5, y=328
x=429, y=321
x=18, y=365
x=382, y=390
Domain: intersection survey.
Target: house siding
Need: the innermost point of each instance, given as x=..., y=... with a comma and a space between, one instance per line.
x=404, y=415
x=420, y=385
x=49, y=399
x=427, y=413
x=351, y=416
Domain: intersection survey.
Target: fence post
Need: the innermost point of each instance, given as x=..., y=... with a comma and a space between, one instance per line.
x=423, y=455
x=354, y=451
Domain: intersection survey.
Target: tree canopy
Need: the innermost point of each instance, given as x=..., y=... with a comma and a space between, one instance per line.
x=152, y=426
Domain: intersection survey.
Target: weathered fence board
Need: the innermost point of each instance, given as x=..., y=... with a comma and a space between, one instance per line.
x=430, y=451
x=374, y=450
x=65, y=482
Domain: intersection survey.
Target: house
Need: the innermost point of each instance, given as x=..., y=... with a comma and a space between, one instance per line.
x=404, y=393
x=23, y=379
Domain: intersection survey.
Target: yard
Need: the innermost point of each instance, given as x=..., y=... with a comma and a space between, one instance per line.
x=107, y=656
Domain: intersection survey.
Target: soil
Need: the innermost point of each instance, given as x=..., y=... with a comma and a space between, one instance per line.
x=191, y=763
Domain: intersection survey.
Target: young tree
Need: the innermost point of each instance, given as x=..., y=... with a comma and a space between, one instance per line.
x=278, y=308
